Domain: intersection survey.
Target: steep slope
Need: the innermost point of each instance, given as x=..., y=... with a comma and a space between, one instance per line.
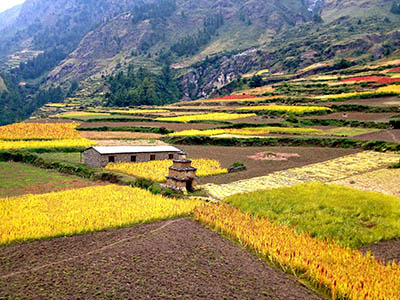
x=9, y=16
x=245, y=24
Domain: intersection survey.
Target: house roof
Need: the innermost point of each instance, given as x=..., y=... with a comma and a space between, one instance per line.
x=134, y=149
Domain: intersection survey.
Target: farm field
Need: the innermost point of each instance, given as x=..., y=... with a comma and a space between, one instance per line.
x=167, y=125
x=346, y=215
x=326, y=171
x=229, y=155
x=384, y=181
x=18, y=179
x=385, y=135
x=303, y=210
x=374, y=102
x=76, y=211
x=356, y=116
x=187, y=263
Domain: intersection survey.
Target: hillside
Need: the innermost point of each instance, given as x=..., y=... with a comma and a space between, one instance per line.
x=208, y=44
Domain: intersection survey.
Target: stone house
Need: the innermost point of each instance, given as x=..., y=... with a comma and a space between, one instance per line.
x=99, y=157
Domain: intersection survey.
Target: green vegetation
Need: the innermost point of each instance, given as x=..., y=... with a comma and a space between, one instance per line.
x=345, y=131
x=142, y=87
x=191, y=44
x=351, y=217
x=159, y=130
x=70, y=158
x=18, y=177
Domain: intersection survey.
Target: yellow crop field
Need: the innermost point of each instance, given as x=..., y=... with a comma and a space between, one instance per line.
x=247, y=131
x=285, y=108
x=344, y=95
x=156, y=170
x=138, y=111
x=83, y=210
x=56, y=105
x=344, y=273
x=7, y=145
x=206, y=117
x=20, y=131
x=389, y=89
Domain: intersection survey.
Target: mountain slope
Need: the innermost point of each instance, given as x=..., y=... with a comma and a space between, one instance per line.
x=208, y=44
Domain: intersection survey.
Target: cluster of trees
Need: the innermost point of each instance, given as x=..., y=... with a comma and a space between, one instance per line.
x=160, y=9
x=38, y=65
x=18, y=102
x=191, y=44
x=142, y=87
x=395, y=8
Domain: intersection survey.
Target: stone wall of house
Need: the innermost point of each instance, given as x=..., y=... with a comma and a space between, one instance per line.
x=92, y=158
x=97, y=160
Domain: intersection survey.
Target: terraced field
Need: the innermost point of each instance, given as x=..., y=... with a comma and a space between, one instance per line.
x=328, y=171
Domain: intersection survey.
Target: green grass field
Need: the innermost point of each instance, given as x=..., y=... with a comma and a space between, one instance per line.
x=19, y=178
x=352, y=217
x=349, y=131
x=71, y=158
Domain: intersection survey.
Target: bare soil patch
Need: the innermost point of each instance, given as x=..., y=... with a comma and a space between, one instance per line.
x=384, y=135
x=229, y=155
x=172, y=126
x=386, y=250
x=355, y=116
x=383, y=101
x=109, y=135
x=177, y=259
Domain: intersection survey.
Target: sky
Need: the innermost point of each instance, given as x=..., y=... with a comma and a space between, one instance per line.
x=6, y=4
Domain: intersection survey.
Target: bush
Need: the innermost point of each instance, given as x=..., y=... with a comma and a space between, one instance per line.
x=395, y=124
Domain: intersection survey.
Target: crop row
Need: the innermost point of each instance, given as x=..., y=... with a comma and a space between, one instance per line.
x=344, y=273
x=20, y=131
x=157, y=170
x=83, y=210
x=327, y=171
x=66, y=143
x=247, y=131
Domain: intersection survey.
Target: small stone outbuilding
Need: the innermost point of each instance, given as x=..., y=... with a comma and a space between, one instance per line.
x=99, y=157
x=182, y=176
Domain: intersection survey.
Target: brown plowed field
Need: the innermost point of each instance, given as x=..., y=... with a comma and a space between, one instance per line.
x=355, y=116
x=385, y=135
x=177, y=259
x=229, y=155
x=383, y=101
x=172, y=126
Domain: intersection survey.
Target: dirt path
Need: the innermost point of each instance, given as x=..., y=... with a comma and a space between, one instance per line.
x=177, y=259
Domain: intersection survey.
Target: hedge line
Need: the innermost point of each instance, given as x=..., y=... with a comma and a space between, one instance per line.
x=380, y=146
x=159, y=130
